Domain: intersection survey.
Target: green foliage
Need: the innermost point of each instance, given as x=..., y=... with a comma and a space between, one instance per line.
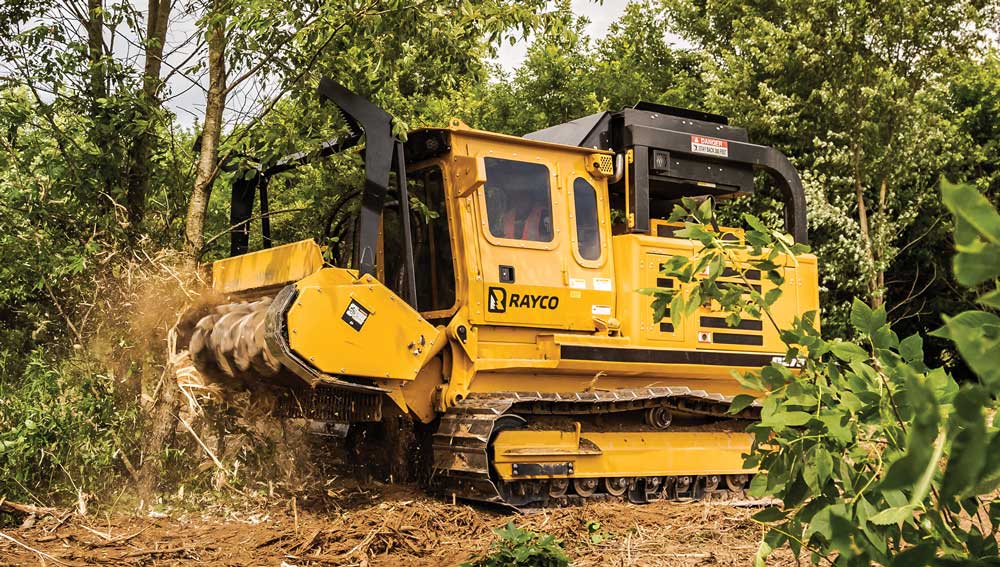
x=858, y=95
x=405, y=56
x=515, y=547
x=594, y=533
x=567, y=75
x=876, y=457
x=63, y=429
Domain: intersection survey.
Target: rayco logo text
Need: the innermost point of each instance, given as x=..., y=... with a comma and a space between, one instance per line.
x=498, y=301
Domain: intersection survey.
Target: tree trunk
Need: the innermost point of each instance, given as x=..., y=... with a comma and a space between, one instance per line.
x=879, y=279
x=95, y=51
x=874, y=289
x=160, y=427
x=141, y=152
x=98, y=93
x=208, y=156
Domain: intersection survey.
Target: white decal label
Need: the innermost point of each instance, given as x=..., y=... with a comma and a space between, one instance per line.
x=578, y=283
x=355, y=315
x=794, y=363
x=709, y=146
x=600, y=309
x=602, y=284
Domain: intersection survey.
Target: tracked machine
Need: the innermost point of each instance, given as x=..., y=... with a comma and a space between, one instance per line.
x=487, y=309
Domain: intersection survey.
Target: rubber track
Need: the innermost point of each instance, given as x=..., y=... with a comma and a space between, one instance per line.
x=462, y=467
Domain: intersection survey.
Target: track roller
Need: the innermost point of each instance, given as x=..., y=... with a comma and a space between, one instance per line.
x=585, y=487
x=558, y=487
x=736, y=482
x=615, y=486
x=653, y=485
x=658, y=417
x=711, y=482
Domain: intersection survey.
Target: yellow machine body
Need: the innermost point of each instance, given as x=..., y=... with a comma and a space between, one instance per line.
x=542, y=316
x=621, y=454
x=267, y=269
x=600, y=333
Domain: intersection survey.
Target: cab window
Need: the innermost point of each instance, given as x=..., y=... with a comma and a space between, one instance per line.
x=588, y=234
x=518, y=205
x=431, y=241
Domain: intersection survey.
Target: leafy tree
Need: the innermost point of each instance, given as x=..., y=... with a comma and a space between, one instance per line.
x=921, y=285
x=856, y=94
x=395, y=53
x=566, y=75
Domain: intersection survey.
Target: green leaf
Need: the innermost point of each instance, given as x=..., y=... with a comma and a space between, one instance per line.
x=916, y=556
x=755, y=223
x=903, y=472
x=771, y=514
x=991, y=299
x=977, y=336
x=865, y=510
x=838, y=426
x=849, y=401
x=758, y=485
x=885, y=338
x=976, y=265
x=969, y=448
x=848, y=352
x=740, y=403
x=783, y=419
x=824, y=464
x=967, y=203
x=764, y=550
x=820, y=524
x=771, y=296
x=893, y=515
x=912, y=349
x=861, y=316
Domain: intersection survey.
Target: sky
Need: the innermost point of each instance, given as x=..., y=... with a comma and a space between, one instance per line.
x=187, y=94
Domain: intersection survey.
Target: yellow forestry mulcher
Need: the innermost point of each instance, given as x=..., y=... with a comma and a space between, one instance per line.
x=485, y=325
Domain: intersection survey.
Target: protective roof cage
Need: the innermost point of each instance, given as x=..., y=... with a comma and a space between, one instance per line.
x=668, y=153
x=384, y=153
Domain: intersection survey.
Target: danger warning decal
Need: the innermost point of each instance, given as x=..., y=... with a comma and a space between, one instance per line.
x=355, y=315
x=709, y=146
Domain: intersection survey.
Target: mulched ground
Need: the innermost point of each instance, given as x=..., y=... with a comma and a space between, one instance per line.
x=382, y=526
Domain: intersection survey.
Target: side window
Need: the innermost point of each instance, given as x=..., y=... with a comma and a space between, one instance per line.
x=431, y=241
x=588, y=233
x=518, y=204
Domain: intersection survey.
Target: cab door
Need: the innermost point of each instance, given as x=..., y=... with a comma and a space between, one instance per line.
x=533, y=272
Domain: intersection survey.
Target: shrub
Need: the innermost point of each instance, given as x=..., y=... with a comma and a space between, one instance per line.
x=515, y=547
x=62, y=429
x=876, y=457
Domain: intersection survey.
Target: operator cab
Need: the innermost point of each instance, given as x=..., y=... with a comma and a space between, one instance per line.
x=529, y=225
